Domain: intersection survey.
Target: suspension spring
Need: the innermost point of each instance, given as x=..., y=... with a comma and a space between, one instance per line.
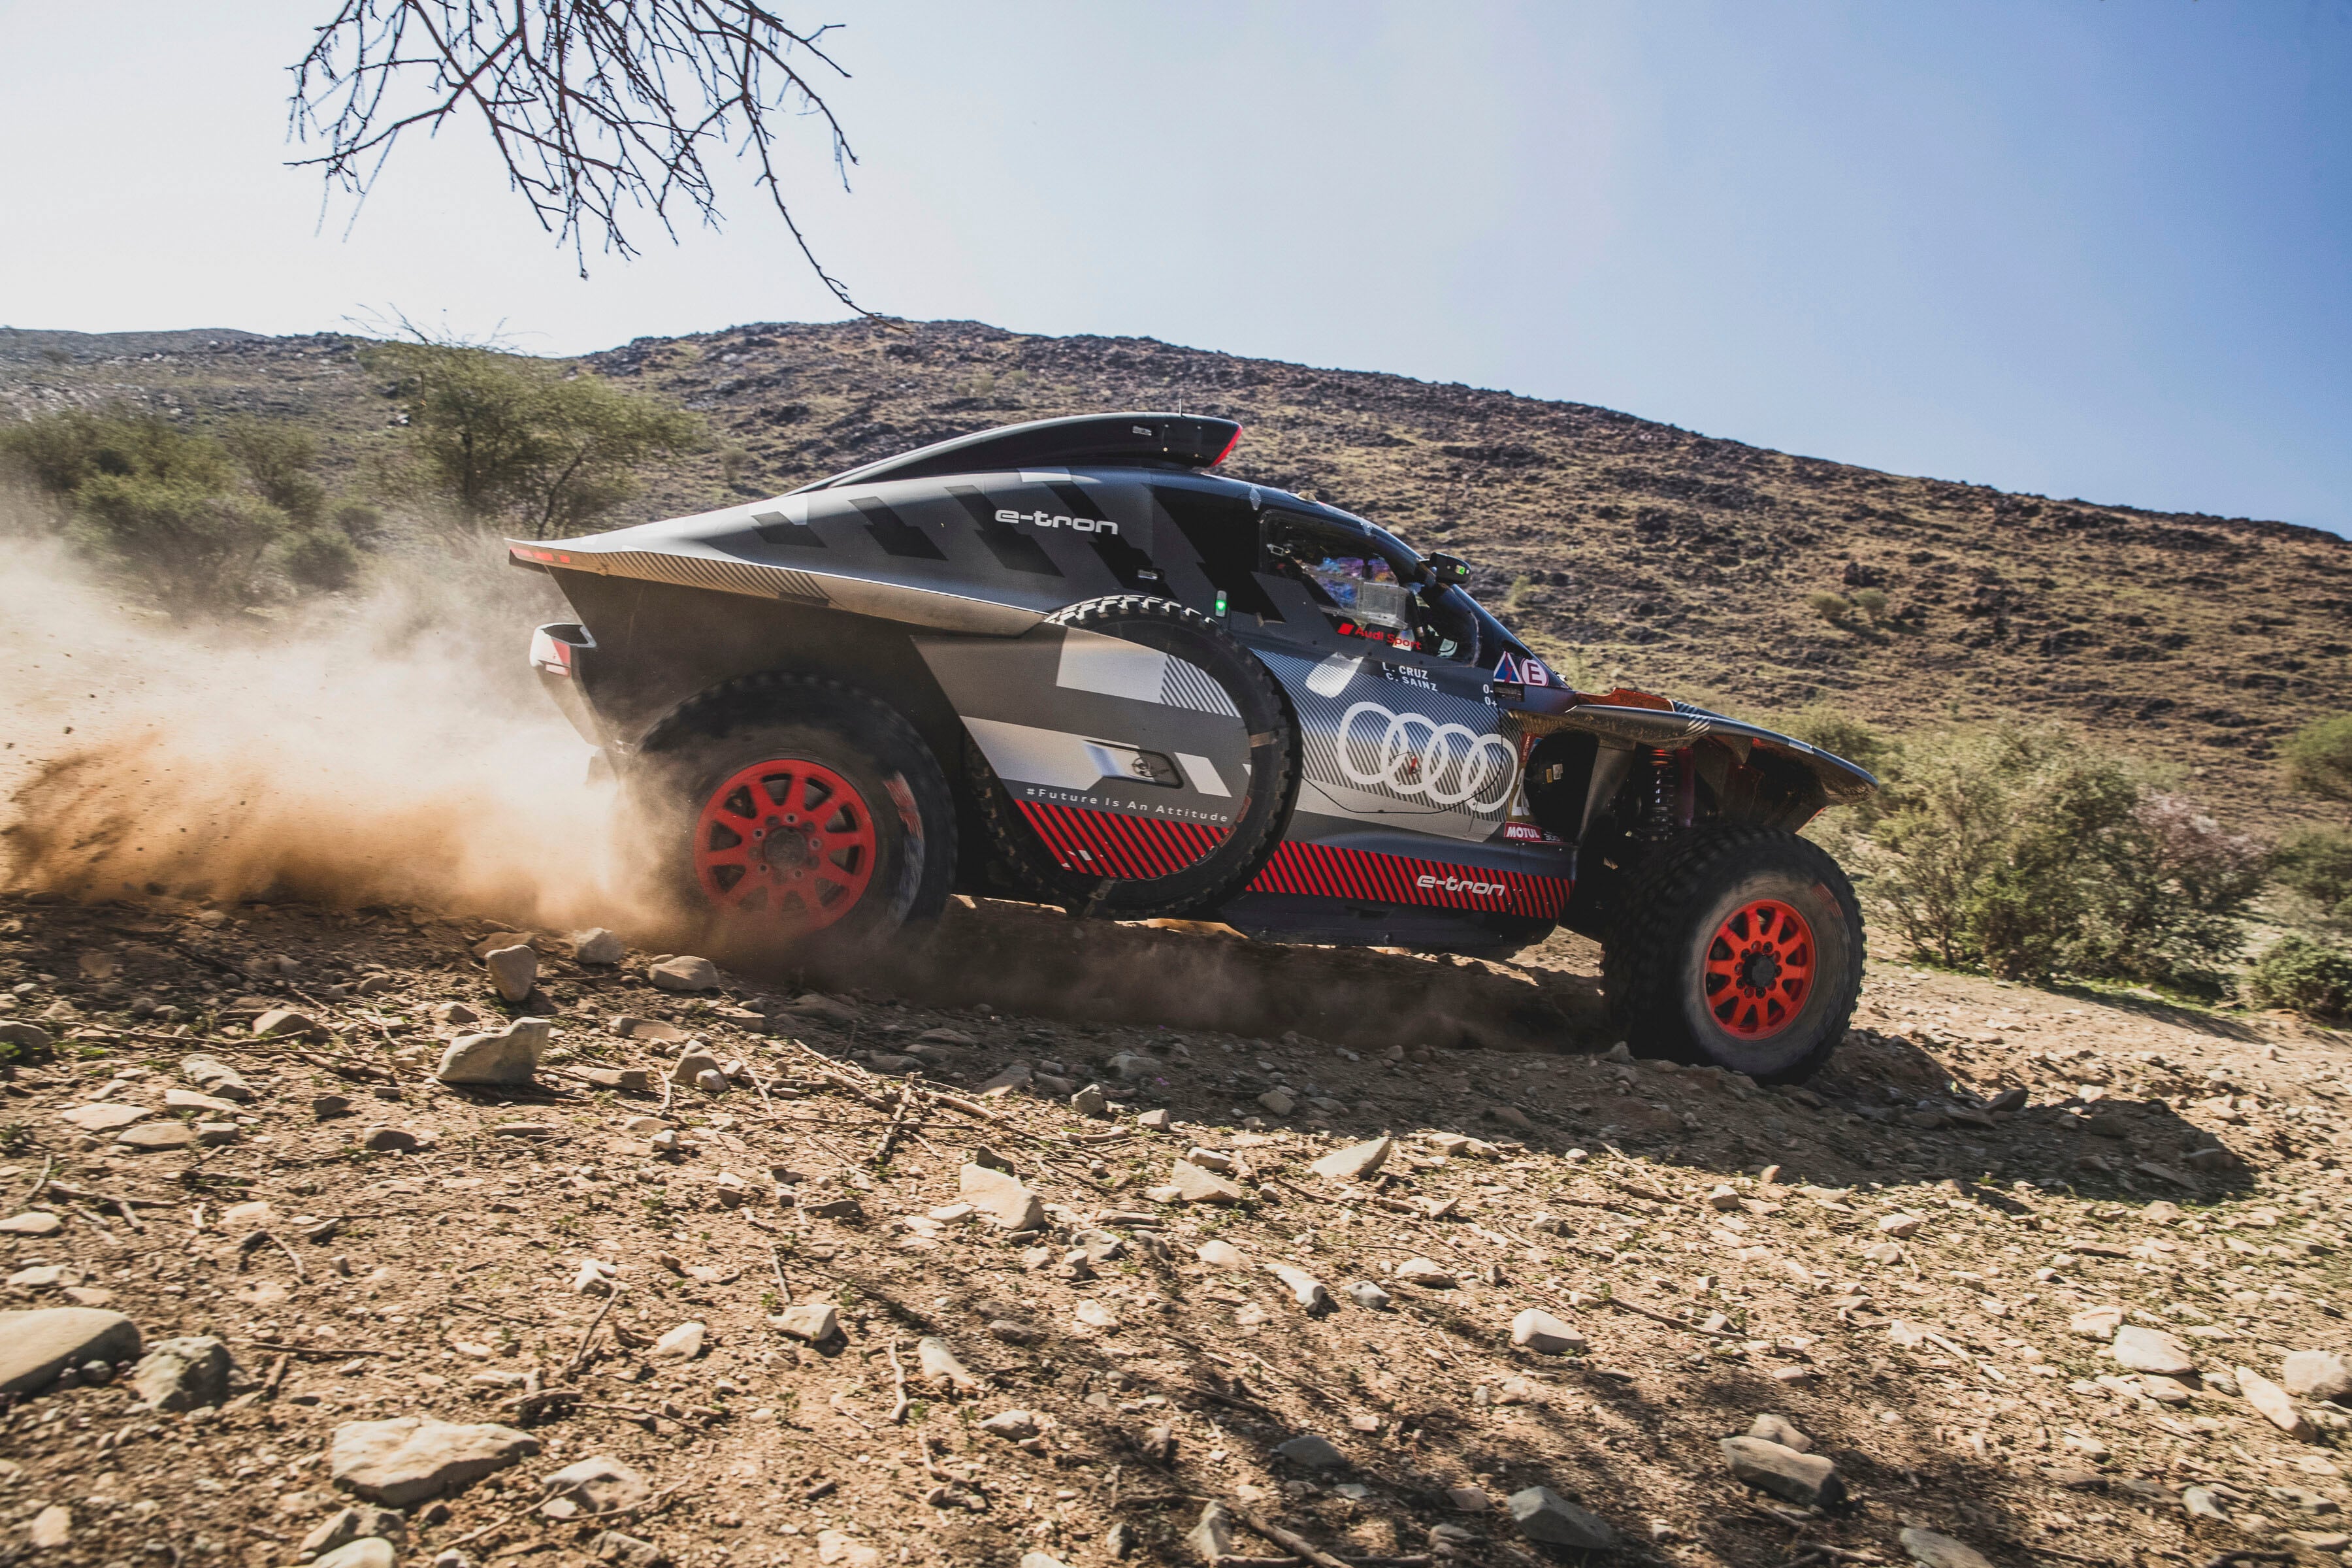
x=1660, y=811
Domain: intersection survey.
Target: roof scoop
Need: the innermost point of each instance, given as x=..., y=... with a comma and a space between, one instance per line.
x=1101, y=440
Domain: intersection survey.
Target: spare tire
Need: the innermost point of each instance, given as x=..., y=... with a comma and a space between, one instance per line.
x=1127, y=866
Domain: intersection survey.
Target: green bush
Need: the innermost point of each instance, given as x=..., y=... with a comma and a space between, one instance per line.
x=194, y=550
x=2307, y=976
x=321, y=558
x=2029, y=853
x=501, y=436
x=1832, y=607
x=278, y=460
x=2319, y=758
x=2317, y=862
x=58, y=453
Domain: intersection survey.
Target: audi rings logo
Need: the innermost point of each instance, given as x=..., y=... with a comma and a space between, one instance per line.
x=1412, y=754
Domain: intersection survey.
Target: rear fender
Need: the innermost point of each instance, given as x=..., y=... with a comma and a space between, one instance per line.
x=1069, y=717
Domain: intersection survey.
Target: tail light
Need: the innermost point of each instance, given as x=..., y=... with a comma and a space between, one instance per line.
x=548, y=654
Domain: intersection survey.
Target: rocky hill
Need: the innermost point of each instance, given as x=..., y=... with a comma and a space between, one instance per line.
x=1627, y=550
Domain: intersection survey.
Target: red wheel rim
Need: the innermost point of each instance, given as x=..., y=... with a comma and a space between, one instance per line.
x=1759, y=969
x=786, y=840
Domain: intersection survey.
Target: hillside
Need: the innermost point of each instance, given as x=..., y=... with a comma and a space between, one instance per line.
x=1626, y=549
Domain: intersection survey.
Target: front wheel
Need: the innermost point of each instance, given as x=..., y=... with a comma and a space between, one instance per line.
x=1737, y=947
x=798, y=809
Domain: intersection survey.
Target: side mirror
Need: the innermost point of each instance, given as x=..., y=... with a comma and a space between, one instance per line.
x=1447, y=571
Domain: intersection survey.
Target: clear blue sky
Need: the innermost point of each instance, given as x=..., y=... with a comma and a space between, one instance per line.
x=2094, y=250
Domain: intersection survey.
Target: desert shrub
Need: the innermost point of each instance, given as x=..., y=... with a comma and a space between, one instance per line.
x=504, y=437
x=1871, y=602
x=320, y=557
x=2319, y=758
x=1832, y=607
x=2309, y=976
x=192, y=548
x=2317, y=862
x=2029, y=853
x=732, y=462
x=58, y=453
x=278, y=460
x=361, y=523
x=1833, y=729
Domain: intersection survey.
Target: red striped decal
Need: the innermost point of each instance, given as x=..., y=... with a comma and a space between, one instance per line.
x=1117, y=844
x=1330, y=871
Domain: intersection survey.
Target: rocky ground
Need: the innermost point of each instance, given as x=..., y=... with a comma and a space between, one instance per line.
x=761, y=1275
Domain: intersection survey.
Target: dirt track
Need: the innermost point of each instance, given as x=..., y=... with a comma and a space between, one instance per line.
x=1625, y=1199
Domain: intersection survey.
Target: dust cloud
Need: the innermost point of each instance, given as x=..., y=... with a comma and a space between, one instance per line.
x=390, y=747
x=393, y=747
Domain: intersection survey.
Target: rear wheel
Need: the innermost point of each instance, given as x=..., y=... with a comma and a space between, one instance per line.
x=800, y=809
x=1739, y=947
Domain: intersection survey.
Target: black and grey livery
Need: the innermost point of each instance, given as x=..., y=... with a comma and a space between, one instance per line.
x=1067, y=661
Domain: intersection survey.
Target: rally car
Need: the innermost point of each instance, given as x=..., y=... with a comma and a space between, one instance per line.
x=1069, y=662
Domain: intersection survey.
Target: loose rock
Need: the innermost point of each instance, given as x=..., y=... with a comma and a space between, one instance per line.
x=349, y=1524
x=599, y=1484
x=814, y=1321
x=1542, y=1514
x=1356, y=1162
x=510, y=1055
x=2152, y=1349
x=1305, y=1289
x=1221, y=1255
x=683, y=1342
x=1539, y=1331
x=1775, y=1429
x=596, y=945
x=1803, y=1479
x=1213, y=1537
x=52, y=1527
x=1367, y=1295
x=1930, y=1550
x=1000, y=1197
x=216, y=1077
x=513, y=970
x=684, y=973
x=367, y=1551
x=2316, y=1374
x=1091, y=1102
x=1193, y=1185
x=938, y=1366
x=411, y=1458
x=2272, y=1403
x=183, y=1374
x=1424, y=1273
x=36, y=1346
x=1277, y=1102
x=1311, y=1452
x=1010, y=1424
x=35, y=1222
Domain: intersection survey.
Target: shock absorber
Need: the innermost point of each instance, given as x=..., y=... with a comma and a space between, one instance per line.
x=1659, y=812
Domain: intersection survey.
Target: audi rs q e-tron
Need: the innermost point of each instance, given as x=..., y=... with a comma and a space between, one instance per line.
x=1069, y=662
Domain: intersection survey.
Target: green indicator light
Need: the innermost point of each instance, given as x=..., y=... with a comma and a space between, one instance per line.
x=1221, y=601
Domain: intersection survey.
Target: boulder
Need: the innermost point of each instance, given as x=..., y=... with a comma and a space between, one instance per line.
x=1803, y=1479
x=684, y=973
x=508, y=1055
x=29, y=1037
x=1002, y=1198
x=1277, y=1102
x=1539, y=1331
x=513, y=970
x=1542, y=1514
x=1356, y=1162
x=183, y=1374
x=37, y=1345
x=410, y=1458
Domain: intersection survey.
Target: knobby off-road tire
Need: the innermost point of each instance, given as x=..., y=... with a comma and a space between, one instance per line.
x=800, y=809
x=1739, y=947
x=1026, y=862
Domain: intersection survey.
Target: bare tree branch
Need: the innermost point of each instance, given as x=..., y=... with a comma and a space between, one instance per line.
x=599, y=109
